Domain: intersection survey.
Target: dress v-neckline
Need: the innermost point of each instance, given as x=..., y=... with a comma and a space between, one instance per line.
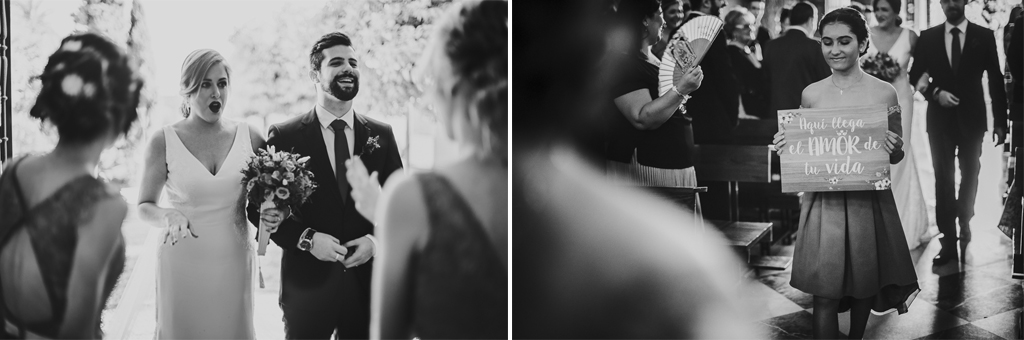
x=894, y=43
x=234, y=140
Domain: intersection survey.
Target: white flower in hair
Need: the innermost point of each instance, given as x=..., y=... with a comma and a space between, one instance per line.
x=88, y=90
x=72, y=85
x=72, y=46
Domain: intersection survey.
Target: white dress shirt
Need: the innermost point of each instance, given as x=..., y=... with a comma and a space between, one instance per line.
x=949, y=39
x=326, y=118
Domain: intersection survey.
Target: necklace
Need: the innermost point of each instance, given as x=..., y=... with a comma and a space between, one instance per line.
x=841, y=90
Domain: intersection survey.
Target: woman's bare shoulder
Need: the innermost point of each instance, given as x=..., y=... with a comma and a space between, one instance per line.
x=811, y=95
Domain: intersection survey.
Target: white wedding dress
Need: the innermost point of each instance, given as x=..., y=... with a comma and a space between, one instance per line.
x=205, y=284
x=906, y=186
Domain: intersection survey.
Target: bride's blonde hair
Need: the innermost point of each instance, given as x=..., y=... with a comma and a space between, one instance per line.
x=194, y=69
x=466, y=63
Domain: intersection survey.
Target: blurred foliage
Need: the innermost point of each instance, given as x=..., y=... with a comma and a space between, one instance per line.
x=388, y=36
x=30, y=49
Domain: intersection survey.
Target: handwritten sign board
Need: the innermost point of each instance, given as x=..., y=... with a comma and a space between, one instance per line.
x=840, y=149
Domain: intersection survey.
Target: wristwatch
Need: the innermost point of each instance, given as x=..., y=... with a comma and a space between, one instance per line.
x=306, y=240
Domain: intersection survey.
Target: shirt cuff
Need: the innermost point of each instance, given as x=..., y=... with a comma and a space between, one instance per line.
x=375, y=244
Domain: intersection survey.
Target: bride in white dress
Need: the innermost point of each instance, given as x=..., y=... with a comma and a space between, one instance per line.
x=205, y=265
x=888, y=37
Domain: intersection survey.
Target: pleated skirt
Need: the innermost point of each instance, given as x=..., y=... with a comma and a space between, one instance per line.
x=851, y=245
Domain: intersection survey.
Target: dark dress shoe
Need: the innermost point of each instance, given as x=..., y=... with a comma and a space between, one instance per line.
x=944, y=257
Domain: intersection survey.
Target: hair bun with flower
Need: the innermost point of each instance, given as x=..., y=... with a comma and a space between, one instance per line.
x=88, y=88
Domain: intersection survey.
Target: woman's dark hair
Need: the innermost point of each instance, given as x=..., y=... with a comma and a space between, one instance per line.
x=851, y=18
x=89, y=87
x=895, y=5
x=631, y=15
x=784, y=15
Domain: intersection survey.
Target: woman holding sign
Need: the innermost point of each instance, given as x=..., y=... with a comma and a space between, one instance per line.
x=650, y=140
x=851, y=252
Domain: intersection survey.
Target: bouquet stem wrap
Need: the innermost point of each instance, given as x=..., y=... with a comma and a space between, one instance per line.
x=264, y=238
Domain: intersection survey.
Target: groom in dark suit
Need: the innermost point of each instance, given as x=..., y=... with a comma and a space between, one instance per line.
x=328, y=245
x=955, y=54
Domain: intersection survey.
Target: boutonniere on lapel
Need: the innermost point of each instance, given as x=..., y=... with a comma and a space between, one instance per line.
x=372, y=144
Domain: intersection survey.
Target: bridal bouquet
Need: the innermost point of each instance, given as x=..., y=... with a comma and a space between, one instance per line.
x=276, y=179
x=881, y=66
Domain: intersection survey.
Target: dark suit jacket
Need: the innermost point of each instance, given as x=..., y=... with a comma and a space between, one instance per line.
x=979, y=56
x=324, y=211
x=715, y=105
x=791, y=62
x=1015, y=59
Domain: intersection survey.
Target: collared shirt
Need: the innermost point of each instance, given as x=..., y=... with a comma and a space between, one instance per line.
x=949, y=39
x=326, y=118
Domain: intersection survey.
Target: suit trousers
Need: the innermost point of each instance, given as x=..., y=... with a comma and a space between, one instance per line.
x=947, y=146
x=339, y=303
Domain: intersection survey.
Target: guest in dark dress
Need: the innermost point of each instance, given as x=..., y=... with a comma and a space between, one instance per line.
x=746, y=67
x=442, y=269
x=851, y=252
x=61, y=248
x=650, y=140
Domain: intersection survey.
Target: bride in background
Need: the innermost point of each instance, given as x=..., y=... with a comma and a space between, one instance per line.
x=205, y=265
x=888, y=37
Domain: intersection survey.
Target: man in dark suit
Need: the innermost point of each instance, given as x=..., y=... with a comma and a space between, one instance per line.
x=955, y=54
x=762, y=37
x=794, y=60
x=328, y=245
x=715, y=105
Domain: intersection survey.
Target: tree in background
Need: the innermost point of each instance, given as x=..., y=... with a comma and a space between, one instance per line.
x=389, y=36
x=34, y=43
x=124, y=23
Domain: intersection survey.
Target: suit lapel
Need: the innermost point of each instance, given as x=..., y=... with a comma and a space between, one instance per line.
x=940, y=43
x=969, y=44
x=362, y=131
x=323, y=172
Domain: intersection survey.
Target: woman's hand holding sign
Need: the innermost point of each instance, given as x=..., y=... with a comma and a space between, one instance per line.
x=893, y=142
x=780, y=139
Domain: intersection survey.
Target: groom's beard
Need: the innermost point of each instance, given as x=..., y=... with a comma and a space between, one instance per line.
x=346, y=95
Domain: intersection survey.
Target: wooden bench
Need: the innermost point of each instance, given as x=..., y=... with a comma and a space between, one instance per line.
x=736, y=164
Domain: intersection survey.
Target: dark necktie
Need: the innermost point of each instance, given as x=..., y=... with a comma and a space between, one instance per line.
x=340, y=156
x=955, y=48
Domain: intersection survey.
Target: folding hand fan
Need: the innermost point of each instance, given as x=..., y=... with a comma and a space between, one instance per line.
x=686, y=49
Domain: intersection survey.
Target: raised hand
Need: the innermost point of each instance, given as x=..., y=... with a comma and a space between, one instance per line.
x=365, y=187
x=893, y=142
x=177, y=227
x=327, y=248
x=690, y=81
x=780, y=139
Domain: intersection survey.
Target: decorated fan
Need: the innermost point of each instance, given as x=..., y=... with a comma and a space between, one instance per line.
x=686, y=49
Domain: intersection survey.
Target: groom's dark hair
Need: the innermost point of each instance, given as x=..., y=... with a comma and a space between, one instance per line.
x=316, y=55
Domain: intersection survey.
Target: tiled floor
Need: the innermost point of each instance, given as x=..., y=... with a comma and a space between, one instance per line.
x=977, y=299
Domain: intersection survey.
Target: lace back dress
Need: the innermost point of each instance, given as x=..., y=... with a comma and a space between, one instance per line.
x=461, y=283
x=38, y=244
